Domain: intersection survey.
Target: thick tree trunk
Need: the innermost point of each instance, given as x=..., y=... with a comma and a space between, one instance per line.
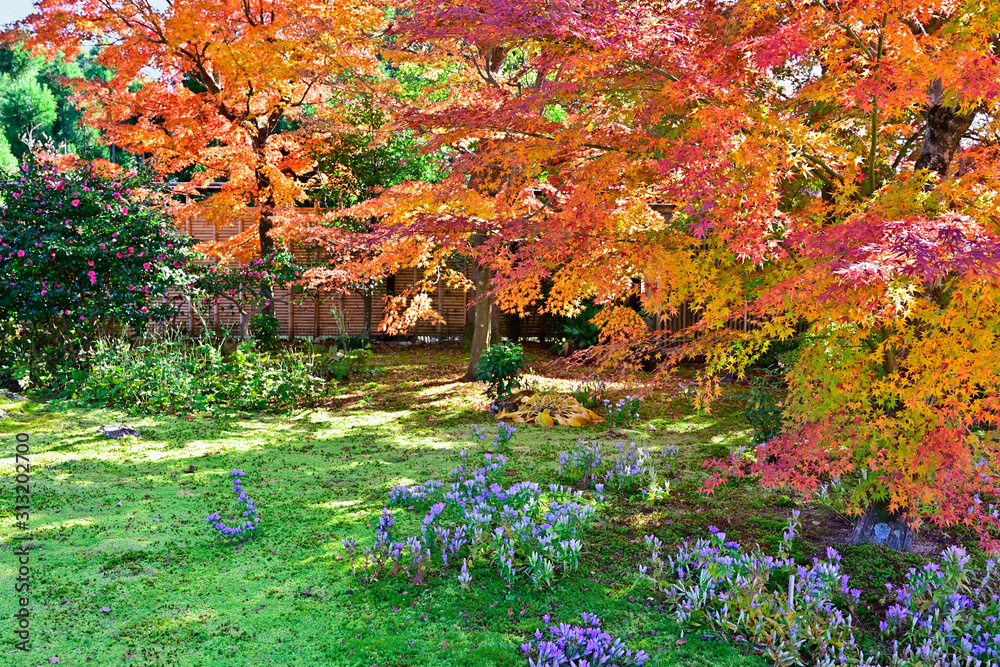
x=482, y=314
x=878, y=526
x=943, y=133
x=465, y=344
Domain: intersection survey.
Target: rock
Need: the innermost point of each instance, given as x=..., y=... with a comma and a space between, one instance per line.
x=650, y=427
x=4, y=415
x=117, y=431
x=878, y=526
x=11, y=396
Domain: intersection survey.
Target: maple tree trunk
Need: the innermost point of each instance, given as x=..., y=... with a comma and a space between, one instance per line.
x=495, y=323
x=482, y=314
x=366, y=315
x=943, y=133
x=265, y=223
x=878, y=526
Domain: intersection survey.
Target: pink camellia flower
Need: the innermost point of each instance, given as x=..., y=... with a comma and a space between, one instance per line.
x=67, y=312
x=146, y=265
x=90, y=263
x=43, y=293
x=143, y=309
x=124, y=210
x=76, y=202
x=20, y=253
x=117, y=195
x=131, y=250
x=86, y=189
x=17, y=195
x=118, y=255
x=93, y=277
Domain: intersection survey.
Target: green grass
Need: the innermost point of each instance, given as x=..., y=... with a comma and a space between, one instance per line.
x=121, y=525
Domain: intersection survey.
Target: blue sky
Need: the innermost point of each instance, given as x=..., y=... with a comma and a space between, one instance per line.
x=12, y=10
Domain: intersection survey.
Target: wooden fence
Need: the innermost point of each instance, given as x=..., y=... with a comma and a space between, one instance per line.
x=320, y=317
x=317, y=317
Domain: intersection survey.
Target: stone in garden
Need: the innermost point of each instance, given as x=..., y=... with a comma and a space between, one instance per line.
x=877, y=526
x=4, y=415
x=117, y=431
x=11, y=396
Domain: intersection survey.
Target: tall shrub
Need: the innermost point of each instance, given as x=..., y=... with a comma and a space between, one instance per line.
x=84, y=248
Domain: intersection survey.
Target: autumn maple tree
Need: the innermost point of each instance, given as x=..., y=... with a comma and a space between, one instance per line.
x=218, y=91
x=771, y=165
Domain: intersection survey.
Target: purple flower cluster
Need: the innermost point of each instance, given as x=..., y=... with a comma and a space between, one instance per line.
x=251, y=521
x=627, y=471
x=622, y=412
x=943, y=614
x=771, y=603
x=581, y=464
x=940, y=616
x=523, y=529
x=501, y=441
x=580, y=646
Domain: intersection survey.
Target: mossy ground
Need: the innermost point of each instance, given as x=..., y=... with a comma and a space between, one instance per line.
x=121, y=525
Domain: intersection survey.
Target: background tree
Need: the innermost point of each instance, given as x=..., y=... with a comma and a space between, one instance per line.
x=221, y=89
x=36, y=103
x=356, y=166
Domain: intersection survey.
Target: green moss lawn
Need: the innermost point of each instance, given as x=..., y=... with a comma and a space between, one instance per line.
x=120, y=526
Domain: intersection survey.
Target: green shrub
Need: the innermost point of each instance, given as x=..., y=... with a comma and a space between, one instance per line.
x=577, y=332
x=779, y=356
x=500, y=368
x=84, y=253
x=264, y=329
x=171, y=375
x=763, y=411
x=348, y=343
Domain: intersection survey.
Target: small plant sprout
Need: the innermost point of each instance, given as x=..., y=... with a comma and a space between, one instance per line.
x=623, y=412
x=501, y=441
x=351, y=546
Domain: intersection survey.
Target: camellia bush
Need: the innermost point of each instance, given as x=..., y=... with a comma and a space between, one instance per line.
x=85, y=250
